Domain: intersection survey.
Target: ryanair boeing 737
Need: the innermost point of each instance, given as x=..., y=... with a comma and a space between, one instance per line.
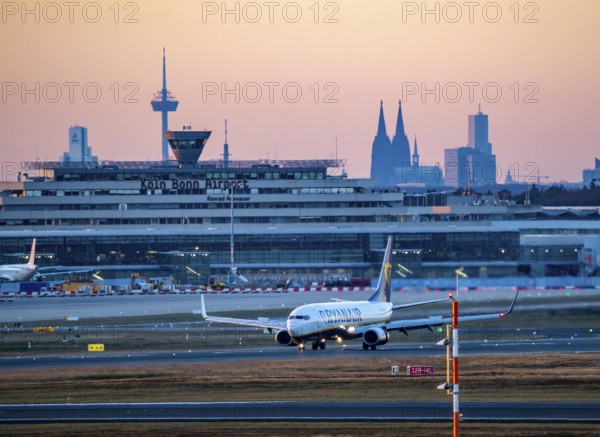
x=342, y=320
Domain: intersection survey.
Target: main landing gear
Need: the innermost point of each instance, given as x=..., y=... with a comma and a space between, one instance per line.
x=366, y=347
x=318, y=344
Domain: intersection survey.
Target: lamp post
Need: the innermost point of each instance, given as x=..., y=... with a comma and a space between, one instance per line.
x=459, y=272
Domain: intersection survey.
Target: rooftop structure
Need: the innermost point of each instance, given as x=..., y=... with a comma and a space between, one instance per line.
x=187, y=145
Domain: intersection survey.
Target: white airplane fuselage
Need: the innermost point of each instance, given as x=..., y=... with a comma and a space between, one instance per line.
x=20, y=272
x=17, y=272
x=324, y=320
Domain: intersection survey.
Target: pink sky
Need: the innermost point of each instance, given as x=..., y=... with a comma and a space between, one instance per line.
x=368, y=55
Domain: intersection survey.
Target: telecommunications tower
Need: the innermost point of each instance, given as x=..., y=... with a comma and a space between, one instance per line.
x=164, y=102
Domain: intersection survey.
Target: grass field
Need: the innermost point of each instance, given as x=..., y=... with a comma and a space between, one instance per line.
x=492, y=378
x=187, y=332
x=554, y=377
x=495, y=377
x=303, y=430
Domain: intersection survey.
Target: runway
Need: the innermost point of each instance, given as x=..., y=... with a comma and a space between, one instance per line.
x=353, y=349
x=503, y=412
x=57, y=308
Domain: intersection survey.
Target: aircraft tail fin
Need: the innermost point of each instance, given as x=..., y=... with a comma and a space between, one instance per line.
x=383, y=291
x=32, y=254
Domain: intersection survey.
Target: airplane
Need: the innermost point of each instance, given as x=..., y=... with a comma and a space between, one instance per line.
x=343, y=319
x=20, y=272
x=30, y=271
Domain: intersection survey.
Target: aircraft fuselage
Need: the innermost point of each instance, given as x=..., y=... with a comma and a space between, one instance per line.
x=335, y=319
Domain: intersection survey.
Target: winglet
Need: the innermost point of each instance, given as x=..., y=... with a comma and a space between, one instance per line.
x=512, y=305
x=32, y=255
x=203, y=307
x=383, y=292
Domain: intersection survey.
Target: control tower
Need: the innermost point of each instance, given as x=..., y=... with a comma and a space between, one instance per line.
x=164, y=102
x=187, y=145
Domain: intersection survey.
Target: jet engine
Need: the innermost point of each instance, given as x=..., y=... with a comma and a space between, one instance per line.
x=283, y=337
x=376, y=336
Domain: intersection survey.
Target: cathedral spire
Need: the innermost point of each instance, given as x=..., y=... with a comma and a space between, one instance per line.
x=400, y=123
x=381, y=131
x=415, y=157
x=381, y=168
x=400, y=145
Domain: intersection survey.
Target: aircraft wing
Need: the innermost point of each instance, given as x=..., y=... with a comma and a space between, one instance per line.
x=415, y=304
x=267, y=324
x=45, y=271
x=433, y=321
x=397, y=307
x=53, y=271
x=4, y=277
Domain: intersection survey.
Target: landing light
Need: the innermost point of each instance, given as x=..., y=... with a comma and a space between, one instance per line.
x=351, y=329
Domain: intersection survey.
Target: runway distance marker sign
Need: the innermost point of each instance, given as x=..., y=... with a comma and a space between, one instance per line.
x=419, y=370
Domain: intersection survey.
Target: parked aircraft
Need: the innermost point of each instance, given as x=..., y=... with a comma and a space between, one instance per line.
x=30, y=271
x=20, y=272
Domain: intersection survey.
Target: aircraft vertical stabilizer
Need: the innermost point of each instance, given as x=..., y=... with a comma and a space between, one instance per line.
x=383, y=292
x=31, y=262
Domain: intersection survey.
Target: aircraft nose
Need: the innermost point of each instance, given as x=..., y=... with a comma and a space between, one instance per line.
x=294, y=329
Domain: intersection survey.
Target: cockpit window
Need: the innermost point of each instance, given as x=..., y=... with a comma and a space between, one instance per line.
x=299, y=317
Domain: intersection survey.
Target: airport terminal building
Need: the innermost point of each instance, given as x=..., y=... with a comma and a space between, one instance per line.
x=303, y=218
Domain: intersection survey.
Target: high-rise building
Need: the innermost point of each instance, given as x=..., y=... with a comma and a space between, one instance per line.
x=473, y=166
x=465, y=167
x=478, y=132
x=592, y=175
x=79, y=150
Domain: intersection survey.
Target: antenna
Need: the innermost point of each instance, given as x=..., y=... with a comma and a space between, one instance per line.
x=226, y=149
x=336, y=151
